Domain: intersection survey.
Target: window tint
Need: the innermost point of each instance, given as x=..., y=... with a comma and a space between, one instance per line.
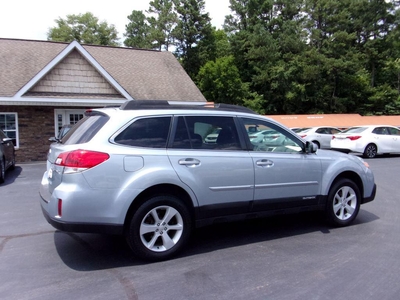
x=146, y=132
x=334, y=130
x=380, y=130
x=270, y=138
x=206, y=132
x=394, y=131
x=85, y=129
x=181, y=138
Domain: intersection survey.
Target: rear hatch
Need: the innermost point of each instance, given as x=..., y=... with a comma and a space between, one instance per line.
x=81, y=133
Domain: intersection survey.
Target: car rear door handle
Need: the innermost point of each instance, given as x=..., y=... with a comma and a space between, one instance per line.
x=264, y=163
x=189, y=162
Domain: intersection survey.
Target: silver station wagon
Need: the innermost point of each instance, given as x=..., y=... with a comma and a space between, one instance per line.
x=145, y=171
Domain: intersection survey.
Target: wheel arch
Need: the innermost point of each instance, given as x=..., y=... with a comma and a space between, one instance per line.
x=317, y=143
x=353, y=176
x=159, y=189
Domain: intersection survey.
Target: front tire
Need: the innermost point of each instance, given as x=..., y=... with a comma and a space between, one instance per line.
x=159, y=228
x=343, y=203
x=317, y=143
x=370, y=151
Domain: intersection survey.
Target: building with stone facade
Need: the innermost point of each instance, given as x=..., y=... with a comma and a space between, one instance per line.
x=44, y=85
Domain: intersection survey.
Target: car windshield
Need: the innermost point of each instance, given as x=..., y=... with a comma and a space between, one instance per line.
x=355, y=130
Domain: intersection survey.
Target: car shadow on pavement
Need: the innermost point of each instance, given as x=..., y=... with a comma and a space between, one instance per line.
x=11, y=175
x=89, y=252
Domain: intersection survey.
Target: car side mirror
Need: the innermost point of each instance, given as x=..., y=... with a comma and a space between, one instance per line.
x=311, y=147
x=53, y=139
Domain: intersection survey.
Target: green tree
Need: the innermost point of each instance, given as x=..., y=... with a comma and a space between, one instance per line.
x=220, y=81
x=162, y=21
x=138, y=31
x=192, y=34
x=83, y=28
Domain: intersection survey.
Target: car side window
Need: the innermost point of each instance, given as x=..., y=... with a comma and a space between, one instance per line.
x=146, y=132
x=321, y=130
x=270, y=138
x=394, y=131
x=334, y=130
x=380, y=130
x=206, y=132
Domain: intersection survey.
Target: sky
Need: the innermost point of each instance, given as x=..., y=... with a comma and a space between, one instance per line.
x=31, y=19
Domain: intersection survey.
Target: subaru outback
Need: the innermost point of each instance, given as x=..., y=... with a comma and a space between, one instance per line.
x=144, y=170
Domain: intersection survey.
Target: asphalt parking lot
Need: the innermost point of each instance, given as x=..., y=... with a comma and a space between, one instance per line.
x=286, y=257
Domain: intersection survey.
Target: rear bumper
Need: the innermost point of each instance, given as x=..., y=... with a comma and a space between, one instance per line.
x=83, y=227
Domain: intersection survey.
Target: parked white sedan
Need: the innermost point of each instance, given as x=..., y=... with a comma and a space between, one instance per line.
x=368, y=140
x=321, y=135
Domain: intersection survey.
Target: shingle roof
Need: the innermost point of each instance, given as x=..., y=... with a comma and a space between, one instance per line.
x=144, y=74
x=21, y=60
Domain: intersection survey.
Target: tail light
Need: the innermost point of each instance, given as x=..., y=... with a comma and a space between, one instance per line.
x=333, y=137
x=303, y=136
x=354, y=137
x=80, y=160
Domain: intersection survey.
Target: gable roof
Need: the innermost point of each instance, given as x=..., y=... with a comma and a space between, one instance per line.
x=27, y=67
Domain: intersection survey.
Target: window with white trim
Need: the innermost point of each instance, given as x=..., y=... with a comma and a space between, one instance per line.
x=67, y=116
x=9, y=125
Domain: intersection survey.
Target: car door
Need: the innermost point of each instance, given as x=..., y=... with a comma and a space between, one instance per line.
x=395, y=135
x=324, y=137
x=383, y=139
x=327, y=136
x=220, y=174
x=285, y=176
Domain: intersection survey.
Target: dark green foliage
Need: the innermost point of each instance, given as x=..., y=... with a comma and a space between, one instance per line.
x=318, y=56
x=138, y=31
x=85, y=29
x=274, y=56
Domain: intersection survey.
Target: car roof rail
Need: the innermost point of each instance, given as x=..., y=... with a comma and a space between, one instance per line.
x=164, y=104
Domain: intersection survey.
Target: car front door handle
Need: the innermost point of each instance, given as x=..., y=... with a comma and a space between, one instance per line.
x=189, y=162
x=264, y=163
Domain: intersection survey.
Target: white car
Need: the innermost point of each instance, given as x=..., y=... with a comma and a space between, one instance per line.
x=212, y=137
x=270, y=137
x=321, y=136
x=369, y=140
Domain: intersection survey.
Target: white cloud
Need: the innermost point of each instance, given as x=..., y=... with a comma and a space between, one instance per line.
x=27, y=19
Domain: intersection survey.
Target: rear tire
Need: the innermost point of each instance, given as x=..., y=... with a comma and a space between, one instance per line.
x=343, y=203
x=370, y=151
x=159, y=228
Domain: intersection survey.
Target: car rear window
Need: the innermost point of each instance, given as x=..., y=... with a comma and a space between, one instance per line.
x=147, y=132
x=85, y=129
x=355, y=130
